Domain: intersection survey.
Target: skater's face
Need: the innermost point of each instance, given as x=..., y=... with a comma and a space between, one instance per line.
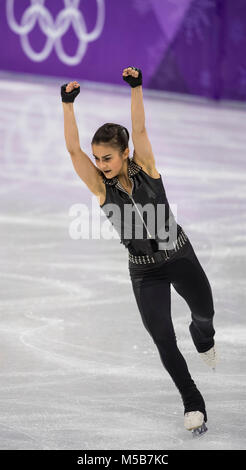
x=109, y=160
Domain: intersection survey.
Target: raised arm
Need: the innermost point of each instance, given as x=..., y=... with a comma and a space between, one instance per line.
x=143, y=153
x=83, y=165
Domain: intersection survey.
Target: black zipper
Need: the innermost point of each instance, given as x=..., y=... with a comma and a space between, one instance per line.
x=130, y=196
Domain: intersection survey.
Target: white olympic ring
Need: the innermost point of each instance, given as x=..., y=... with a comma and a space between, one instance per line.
x=55, y=29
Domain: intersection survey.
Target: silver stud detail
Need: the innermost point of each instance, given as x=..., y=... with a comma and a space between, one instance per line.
x=144, y=259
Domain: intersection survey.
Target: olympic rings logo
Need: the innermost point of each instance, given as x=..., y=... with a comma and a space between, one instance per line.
x=55, y=29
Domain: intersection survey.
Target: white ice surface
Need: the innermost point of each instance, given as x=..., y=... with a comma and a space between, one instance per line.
x=77, y=368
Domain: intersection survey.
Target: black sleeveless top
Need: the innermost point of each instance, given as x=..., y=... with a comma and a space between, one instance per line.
x=129, y=217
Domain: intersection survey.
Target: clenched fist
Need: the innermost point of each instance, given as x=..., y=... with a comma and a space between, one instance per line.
x=69, y=91
x=133, y=76
x=71, y=85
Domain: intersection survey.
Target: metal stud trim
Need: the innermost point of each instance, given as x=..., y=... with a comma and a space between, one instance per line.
x=144, y=259
x=133, y=169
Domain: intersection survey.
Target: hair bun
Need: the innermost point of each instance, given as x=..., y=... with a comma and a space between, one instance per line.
x=127, y=133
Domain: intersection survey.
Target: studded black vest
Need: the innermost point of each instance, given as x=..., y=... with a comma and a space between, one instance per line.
x=131, y=224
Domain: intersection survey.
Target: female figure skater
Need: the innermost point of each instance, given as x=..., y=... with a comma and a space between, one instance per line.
x=153, y=266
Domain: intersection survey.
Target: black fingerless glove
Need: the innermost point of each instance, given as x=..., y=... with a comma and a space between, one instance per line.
x=132, y=80
x=70, y=96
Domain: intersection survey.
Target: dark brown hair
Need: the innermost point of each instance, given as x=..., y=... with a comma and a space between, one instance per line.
x=114, y=135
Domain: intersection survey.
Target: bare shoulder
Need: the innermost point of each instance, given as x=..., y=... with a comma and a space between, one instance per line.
x=153, y=172
x=102, y=195
x=150, y=169
x=99, y=188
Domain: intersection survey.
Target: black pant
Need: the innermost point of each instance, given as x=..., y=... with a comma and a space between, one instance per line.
x=152, y=289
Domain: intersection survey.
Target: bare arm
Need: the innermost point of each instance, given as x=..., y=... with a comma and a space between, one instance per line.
x=83, y=165
x=70, y=128
x=143, y=153
x=137, y=109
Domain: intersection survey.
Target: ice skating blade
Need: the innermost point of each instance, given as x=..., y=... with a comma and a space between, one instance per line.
x=200, y=431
